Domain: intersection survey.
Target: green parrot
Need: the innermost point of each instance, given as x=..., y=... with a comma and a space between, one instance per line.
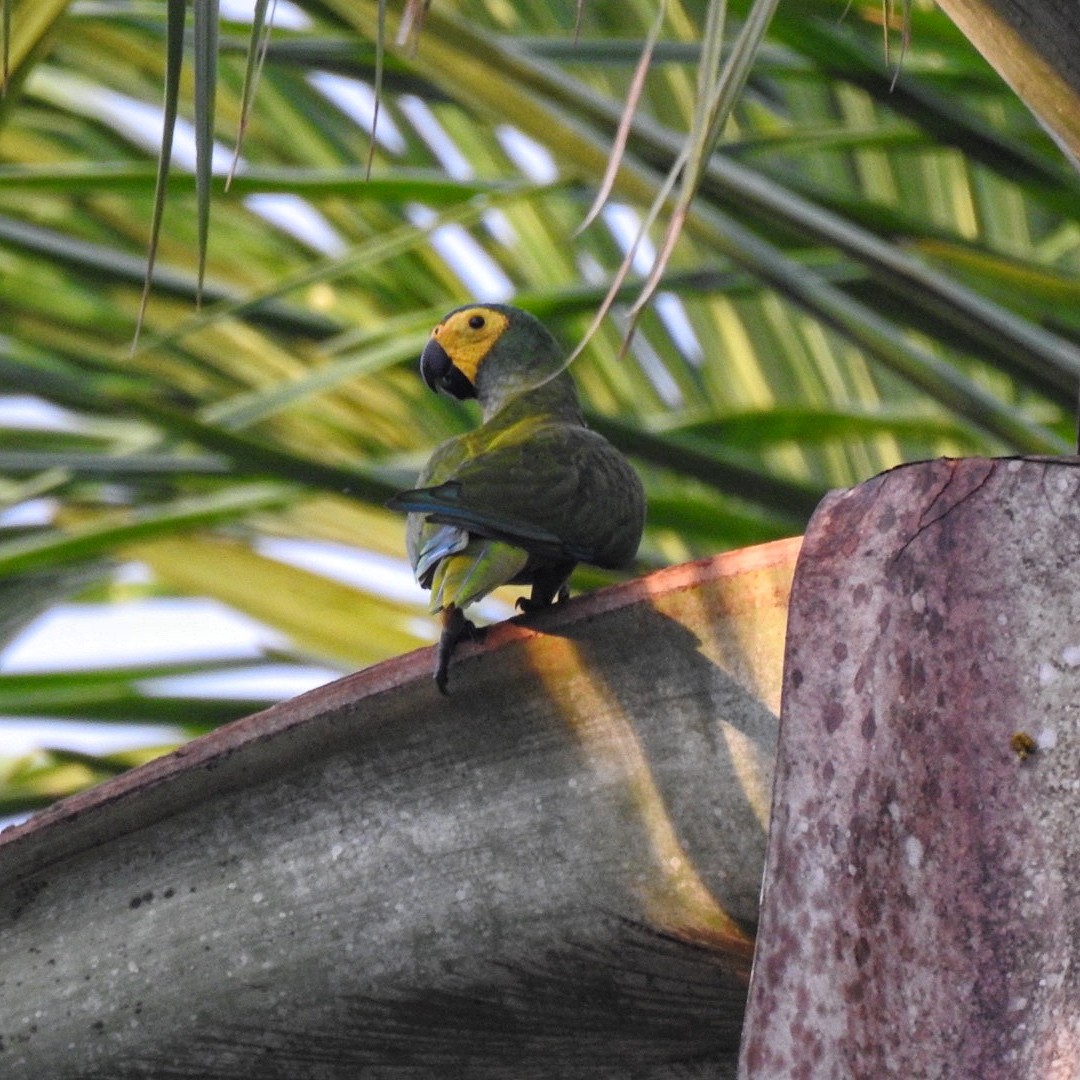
x=526, y=495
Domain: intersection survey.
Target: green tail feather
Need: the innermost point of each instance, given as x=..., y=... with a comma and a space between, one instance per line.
x=482, y=566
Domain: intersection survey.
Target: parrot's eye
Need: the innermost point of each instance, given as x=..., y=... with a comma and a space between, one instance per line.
x=476, y=322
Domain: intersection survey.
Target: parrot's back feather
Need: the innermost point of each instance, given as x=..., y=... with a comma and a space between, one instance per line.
x=553, y=487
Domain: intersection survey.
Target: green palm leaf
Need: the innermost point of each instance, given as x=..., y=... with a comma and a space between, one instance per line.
x=865, y=275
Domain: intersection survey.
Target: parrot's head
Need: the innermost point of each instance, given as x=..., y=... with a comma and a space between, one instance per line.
x=489, y=352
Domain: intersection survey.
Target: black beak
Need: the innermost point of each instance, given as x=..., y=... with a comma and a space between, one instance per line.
x=440, y=374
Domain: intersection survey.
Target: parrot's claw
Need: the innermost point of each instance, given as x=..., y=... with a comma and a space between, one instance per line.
x=455, y=627
x=532, y=603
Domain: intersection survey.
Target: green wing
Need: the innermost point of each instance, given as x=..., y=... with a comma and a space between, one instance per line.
x=562, y=492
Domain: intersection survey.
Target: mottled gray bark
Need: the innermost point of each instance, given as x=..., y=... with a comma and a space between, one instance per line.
x=921, y=915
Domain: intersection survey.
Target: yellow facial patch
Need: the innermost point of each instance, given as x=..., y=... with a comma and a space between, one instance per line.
x=468, y=336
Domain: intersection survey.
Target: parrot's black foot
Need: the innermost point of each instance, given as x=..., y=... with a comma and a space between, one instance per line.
x=532, y=603
x=548, y=587
x=455, y=627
